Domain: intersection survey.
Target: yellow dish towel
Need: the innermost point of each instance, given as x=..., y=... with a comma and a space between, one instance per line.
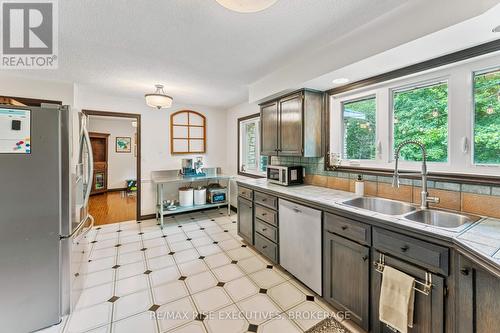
x=397, y=298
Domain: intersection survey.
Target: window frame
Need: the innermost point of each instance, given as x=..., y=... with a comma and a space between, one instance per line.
x=460, y=79
x=242, y=121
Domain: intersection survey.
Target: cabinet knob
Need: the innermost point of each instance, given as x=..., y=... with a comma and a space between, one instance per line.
x=405, y=248
x=264, y=214
x=264, y=199
x=464, y=271
x=264, y=247
x=344, y=227
x=364, y=258
x=264, y=229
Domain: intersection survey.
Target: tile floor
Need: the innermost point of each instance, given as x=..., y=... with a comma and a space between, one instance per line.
x=193, y=276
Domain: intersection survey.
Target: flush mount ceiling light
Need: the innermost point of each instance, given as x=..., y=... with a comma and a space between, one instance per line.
x=158, y=99
x=246, y=6
x=341, y=80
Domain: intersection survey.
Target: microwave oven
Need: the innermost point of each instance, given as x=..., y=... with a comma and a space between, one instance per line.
x=285, y=175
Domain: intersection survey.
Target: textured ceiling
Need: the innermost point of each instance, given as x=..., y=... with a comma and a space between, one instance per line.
x=202, y=52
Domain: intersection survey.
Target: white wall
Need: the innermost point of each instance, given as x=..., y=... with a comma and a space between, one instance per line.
x=155, y=154
x=121, y=166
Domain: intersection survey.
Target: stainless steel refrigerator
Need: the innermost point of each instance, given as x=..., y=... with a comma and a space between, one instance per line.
x=44, y=219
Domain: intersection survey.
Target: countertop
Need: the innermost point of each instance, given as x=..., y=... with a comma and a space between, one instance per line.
x=480, y=242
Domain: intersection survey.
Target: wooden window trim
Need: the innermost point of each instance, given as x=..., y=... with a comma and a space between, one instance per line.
x=188, y=138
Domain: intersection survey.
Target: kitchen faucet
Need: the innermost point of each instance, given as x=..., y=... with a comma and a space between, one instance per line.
x=424, y=195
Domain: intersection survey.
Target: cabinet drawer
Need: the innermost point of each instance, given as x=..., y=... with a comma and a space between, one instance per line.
x=266, y=200
x=266, y=247
x=267, y=215
x=266, y=230
x=428, y=255
x=245, y=192
x=347, y=228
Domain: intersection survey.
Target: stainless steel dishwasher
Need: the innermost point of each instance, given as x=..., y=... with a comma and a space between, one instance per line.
x=300, y=243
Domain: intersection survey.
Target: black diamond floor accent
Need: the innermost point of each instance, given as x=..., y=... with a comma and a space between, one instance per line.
x=180, y=226
x=115, y=266
x=243, y=245
x=148, y=272
x=189, y=239
x=234, y=262
x=202, y=228
x=234, y=221
x=113, y=299
x=215, y=242
x=263, y=291
x=118, y=230
x=141, y=233
x=99, y=228
x=192, y=218
x=200, y=317
x=154, y=307
x=212, y=220
x=201, y=257
x=143, y=249
x=93, y=242
x=221, y=284
x=182, y=278
x=221, y=213
x=118, y=245
x=310, y=298
x=90, y=260
x=171, y=253
x=226, y=230
x=252, y=328
x=269, y=267
x=164, y=236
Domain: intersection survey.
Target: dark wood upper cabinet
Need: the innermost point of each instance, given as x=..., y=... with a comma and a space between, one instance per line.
x=99, y=142
x=269, y=129
x=291, y=125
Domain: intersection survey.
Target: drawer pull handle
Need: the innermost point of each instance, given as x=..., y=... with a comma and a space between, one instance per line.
x=344, y=227
x=364, y=258
x=264, y=200
x=264, y=229
x=264, y=214
x=405, y=248
x=264, y=247
x=464, y=271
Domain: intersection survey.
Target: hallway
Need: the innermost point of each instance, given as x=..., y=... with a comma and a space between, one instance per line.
x=112, y=207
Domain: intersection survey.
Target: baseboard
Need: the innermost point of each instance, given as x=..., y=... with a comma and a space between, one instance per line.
x=147, y=217
x=234, y=209
x=117, y=189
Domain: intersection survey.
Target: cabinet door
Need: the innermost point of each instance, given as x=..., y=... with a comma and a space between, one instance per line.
x=346, y=276
x=478, y=305
x=269, y=129
x=245, y=219
x=291, y=126
x=429, y=309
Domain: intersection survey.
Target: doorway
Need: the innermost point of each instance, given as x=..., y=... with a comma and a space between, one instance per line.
x=115, y=194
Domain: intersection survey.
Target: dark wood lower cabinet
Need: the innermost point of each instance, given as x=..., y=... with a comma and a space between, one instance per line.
x=429, y=309
x=478, y=299
x=245, y=219
x=346, y=277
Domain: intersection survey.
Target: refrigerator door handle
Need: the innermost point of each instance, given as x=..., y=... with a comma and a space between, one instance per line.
x=79, y=228
x=90, y=168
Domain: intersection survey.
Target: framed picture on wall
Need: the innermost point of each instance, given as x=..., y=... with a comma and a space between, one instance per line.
x=123, y=144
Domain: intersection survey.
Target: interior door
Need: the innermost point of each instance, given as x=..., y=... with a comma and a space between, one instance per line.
x=291, y=126
x=269, y=129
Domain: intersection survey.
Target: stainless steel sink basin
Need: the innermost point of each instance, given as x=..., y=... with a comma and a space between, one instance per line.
x=442, y=219
x=383, y=206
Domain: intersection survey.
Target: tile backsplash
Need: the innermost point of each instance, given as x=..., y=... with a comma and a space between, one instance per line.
x=469, y=198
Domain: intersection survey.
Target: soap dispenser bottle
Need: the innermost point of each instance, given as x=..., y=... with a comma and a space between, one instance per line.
x=359, y=186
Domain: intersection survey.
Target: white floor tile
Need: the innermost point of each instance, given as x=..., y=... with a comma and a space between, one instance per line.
x=217, y=260
x=267, y=278
x=280, y=324
x=157, y=251
x=307, y=314
x=201, y=282
x=209, y=249
x=221, y=236
x=196, y=234
x=241, y=288
x=132, y=304
x=185, y=256
x=128, y=258
x=131, y=285
x=129, y=247
x=286, y=295
x=211, y=299
x=259, y=308
x=178, y=237
x=193, y=267
x=164, y=275
x=198, y=242
x=97, y=278
x=100, y=264
x=240, y=253
x=103, y=253
x=95, y=295
x=88, y=318
x=175, y=314
x=154, y=242
x=143, y=322
x=181, y=246
x=105, y=244
x=192, y=327
x=169, y=292
x=226, y=320
x=157, y=263
x=229, y=244
x=130, y=239
x=227, y=273
x=129, y=270
x=252, y=264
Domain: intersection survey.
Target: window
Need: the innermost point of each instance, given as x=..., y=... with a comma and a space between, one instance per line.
x=187, y=132
x=487, y=117
x=421, y=113
x=359, y=119
x=249, y=159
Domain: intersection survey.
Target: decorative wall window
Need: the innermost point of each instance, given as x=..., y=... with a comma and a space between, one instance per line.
x=487, y=117
x=421, y=113
x=187, y=132
x=250, y=162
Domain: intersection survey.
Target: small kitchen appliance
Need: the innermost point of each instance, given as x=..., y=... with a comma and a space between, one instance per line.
x=285, y=175
x=191, y=168
x=216, y=193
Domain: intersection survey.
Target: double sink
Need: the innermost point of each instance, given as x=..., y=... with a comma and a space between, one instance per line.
x=437, y=218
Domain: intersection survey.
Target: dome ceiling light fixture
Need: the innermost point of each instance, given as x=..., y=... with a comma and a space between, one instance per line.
x=340, y=80
x=159, y=99
x=246, y=6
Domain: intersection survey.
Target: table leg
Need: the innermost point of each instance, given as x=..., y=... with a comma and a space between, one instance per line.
x=229, y=197
x=161, y=206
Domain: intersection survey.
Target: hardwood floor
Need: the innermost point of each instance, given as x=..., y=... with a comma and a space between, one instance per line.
x=112, y=207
